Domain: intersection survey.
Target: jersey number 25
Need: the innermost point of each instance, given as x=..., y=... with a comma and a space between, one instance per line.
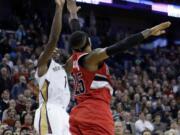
x=79, y=83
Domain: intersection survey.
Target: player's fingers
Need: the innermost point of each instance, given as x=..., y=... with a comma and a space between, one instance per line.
x=161, y=26
x=55, y=51
x=158, y=33
x=163, y=32
x=78, y=8
x=165, y=25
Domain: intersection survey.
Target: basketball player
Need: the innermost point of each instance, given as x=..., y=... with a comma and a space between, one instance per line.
x=54, y=96
x=92, y=114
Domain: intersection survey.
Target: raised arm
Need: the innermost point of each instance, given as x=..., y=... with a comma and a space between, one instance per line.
x=73, y=19
x=92, y=60
x=54, y=34
x=74, y=25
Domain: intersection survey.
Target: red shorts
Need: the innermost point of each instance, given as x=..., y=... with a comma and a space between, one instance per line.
x=91, y=119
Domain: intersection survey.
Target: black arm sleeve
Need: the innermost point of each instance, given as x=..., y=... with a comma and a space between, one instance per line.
x=125, y=44
x=75, y=25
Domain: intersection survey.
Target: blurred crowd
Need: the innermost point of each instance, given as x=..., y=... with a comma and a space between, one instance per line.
x=147, y=95
x=146, y=98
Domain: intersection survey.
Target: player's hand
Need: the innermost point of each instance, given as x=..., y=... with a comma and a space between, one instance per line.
x=160, y=29
x=60, y=3
x=72, y=7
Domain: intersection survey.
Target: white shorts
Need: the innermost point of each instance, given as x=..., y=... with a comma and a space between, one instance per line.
x=58, y=120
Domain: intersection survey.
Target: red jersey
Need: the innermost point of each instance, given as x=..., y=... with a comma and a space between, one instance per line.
x=91, y=85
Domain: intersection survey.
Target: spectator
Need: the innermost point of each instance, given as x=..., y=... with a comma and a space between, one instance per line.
x=19, y=87
x=26, y=130
x=20, y=33
x=174, y=125
x=4, y=102
x=27, y=93
x=174, y=109
x=17, y=127
x=7, y=132
x=149, y=117
x=9, y=62
x=158, y=125
x=4, y=45
x=118, y=128
x=138, y=104
x=173, y=129
x=158, y=107
x=128, y=124
x=13, y=44
x=5, y=81
x=28, y=121
x=3, y=127
x=147, y=132
x=12, y=104
x=11, y=117
x=142, y=124
x=29, y=107
x=119, y=112
x=20, y=70
x=33, y=87
x=94, y=38
x=20, y=103
x=5, y=64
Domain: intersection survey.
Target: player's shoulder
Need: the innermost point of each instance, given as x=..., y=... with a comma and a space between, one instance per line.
x=96, y=51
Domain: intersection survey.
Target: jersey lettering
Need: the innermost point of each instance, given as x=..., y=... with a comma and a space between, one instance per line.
x=57, y=68
x=65, y=81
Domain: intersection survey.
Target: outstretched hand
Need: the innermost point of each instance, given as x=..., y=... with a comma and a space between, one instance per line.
x=160, y=29
x=72, y=7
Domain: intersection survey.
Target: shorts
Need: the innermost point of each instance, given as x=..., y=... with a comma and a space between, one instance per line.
x=91, y=120
x=56, y=122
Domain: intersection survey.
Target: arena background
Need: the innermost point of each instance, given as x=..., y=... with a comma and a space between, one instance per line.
x=146, y=79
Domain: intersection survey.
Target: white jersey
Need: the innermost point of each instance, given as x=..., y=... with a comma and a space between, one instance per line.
x=51, y=117
x=54, y=85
